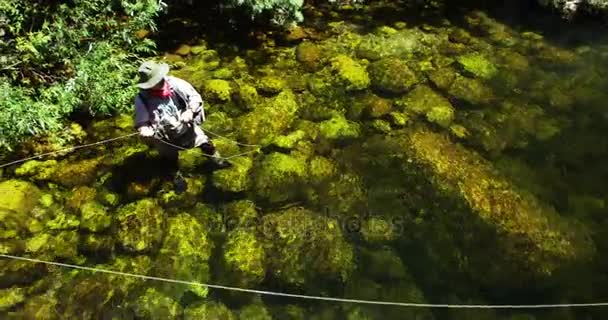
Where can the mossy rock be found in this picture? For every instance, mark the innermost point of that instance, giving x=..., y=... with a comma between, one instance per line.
x=379, y=230
x=392, y=75
x=339, y=128
x=289, y=141
x=310, y=55
x=63, y=244
x=269, y=119
x=443, y=77
x=376, y=107
x=254, y=311
x=236, y=178
x=425, y=101
x=381, y=126
x=477, y=65
x=223, y=73
x=140, y=225
x=95, y=217
x=471, y=91
x=240, y=213
x=62, y=221
x=71, y=174
x=18, y=196
x=296, y=259
x=154, y=305
x=37, y=170
x=219, y=123
x=277, y=177
x=352, y=75
x=208, y=310
x=184, y=255
x=97, y=244
x=270, y=85
x=244, y=257
x=11, y=297
x=247, y=96
x=79, y=196
x=321, y=168
x=190, y=159
x=217, y=90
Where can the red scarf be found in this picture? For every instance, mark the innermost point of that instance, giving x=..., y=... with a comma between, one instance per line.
x=164, y=92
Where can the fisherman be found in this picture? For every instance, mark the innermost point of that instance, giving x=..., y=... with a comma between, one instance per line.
x=168, y=112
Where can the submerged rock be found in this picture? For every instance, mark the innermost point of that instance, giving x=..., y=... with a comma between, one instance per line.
x=244, y=258
x=339, y=128
x=533, y=239
x=471, y=91
x=140, y=225
x=154, y=305
x=306, y=246
x=236, y=178
x=477, y=65
x=392, y=75
x=217, y=90
x=11, y=297
x=19, y=197
x=208, y=310
x=271, y=85
x=71, y=174
x=278, y=176
x=94, y=217
x=184, y=255
x=351, y=74
x=255, y=311
x=309, y=55
x=425, y=101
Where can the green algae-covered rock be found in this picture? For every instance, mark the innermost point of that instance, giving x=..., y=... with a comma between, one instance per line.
x=339, y=128
x=75, y=173
x=244, y=258
x=382, y=126
x=63, y=221
x=531, y=239
x=376, y=107
x=11, y=297
x=399, y=119
x=471, y=91
x=153, y=305
x=79, y=196
x=289, y=141
x=172, y=199
x=422, y=100
x=277, y=177
x=140, y=225
x=351, y=74
x=114, y=127
x=383, y=265
x=442, y=77
x=38, y=170
x=94, y=217
x=254, y=311
x=247, y=96
x=477, y=65
x=305, y=246
x=270, y=85
x=223, y=73
x=391, y=75
x=309, y=55
x=242, y=213
x=184, y=255
x=236, y=178
x=97, y=244
x=321, y=168
x=64, y=244
x=18, y=196
x=441, y=115
x=269, y=119
x=217, y=90
x=219, y=123
x=208, y=310
x=190, y=159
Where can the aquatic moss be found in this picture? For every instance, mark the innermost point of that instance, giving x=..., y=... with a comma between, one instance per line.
x=270, y=84
x=190, y=159
x=94, y=217
x=153, y=305
x=208, y=310
x=236, y=178
x=351, y=74
x=382, y=126
x=399, y=119
x=376, y=107
x=247, y=96
x=441, y=115
x=62, y=221
x=244, y=257
x=277, y=177
x=241, y=213
x=320, y=169
x=383, y=265
x=254, y=311
x=471, y=91
x=289, y=141
x=306, y=246
x=11, y=297
x=309, y=55
x=533, y=239
x=223, y=73
x=97, y=244
x=271, y=118
x=184, y=255
x=140, y=225
x=379, y=230
x=63, y=244
x=339, y=128
x=218, y=122
x=75, y=173
x=23, y=196
x=442, y=78
x=38, y=170
x=217, y=90
x=477, y=65
x=79, y=196
x=392, y=75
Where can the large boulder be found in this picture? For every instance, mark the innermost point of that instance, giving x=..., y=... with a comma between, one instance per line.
x=278, y=176
x=140, y=225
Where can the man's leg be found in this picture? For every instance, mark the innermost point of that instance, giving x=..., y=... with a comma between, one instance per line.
x=206, y=145
x=170, y=159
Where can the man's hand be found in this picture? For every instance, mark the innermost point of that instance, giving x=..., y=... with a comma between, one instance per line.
x=187, y=116
x=146, y=131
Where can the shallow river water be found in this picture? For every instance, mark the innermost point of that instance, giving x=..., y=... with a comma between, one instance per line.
x=380, y=154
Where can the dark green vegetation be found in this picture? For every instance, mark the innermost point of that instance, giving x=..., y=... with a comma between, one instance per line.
x=428, y=155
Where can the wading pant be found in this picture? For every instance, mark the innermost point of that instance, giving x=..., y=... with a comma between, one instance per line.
x=193, y=139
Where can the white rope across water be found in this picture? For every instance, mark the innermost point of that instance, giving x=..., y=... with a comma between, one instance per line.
x=128, y=136
x=312, y=297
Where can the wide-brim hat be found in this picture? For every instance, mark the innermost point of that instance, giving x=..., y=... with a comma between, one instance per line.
x=151, y=73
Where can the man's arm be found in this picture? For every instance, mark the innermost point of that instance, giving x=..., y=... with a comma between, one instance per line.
x=194, y=100
x=142, y=116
